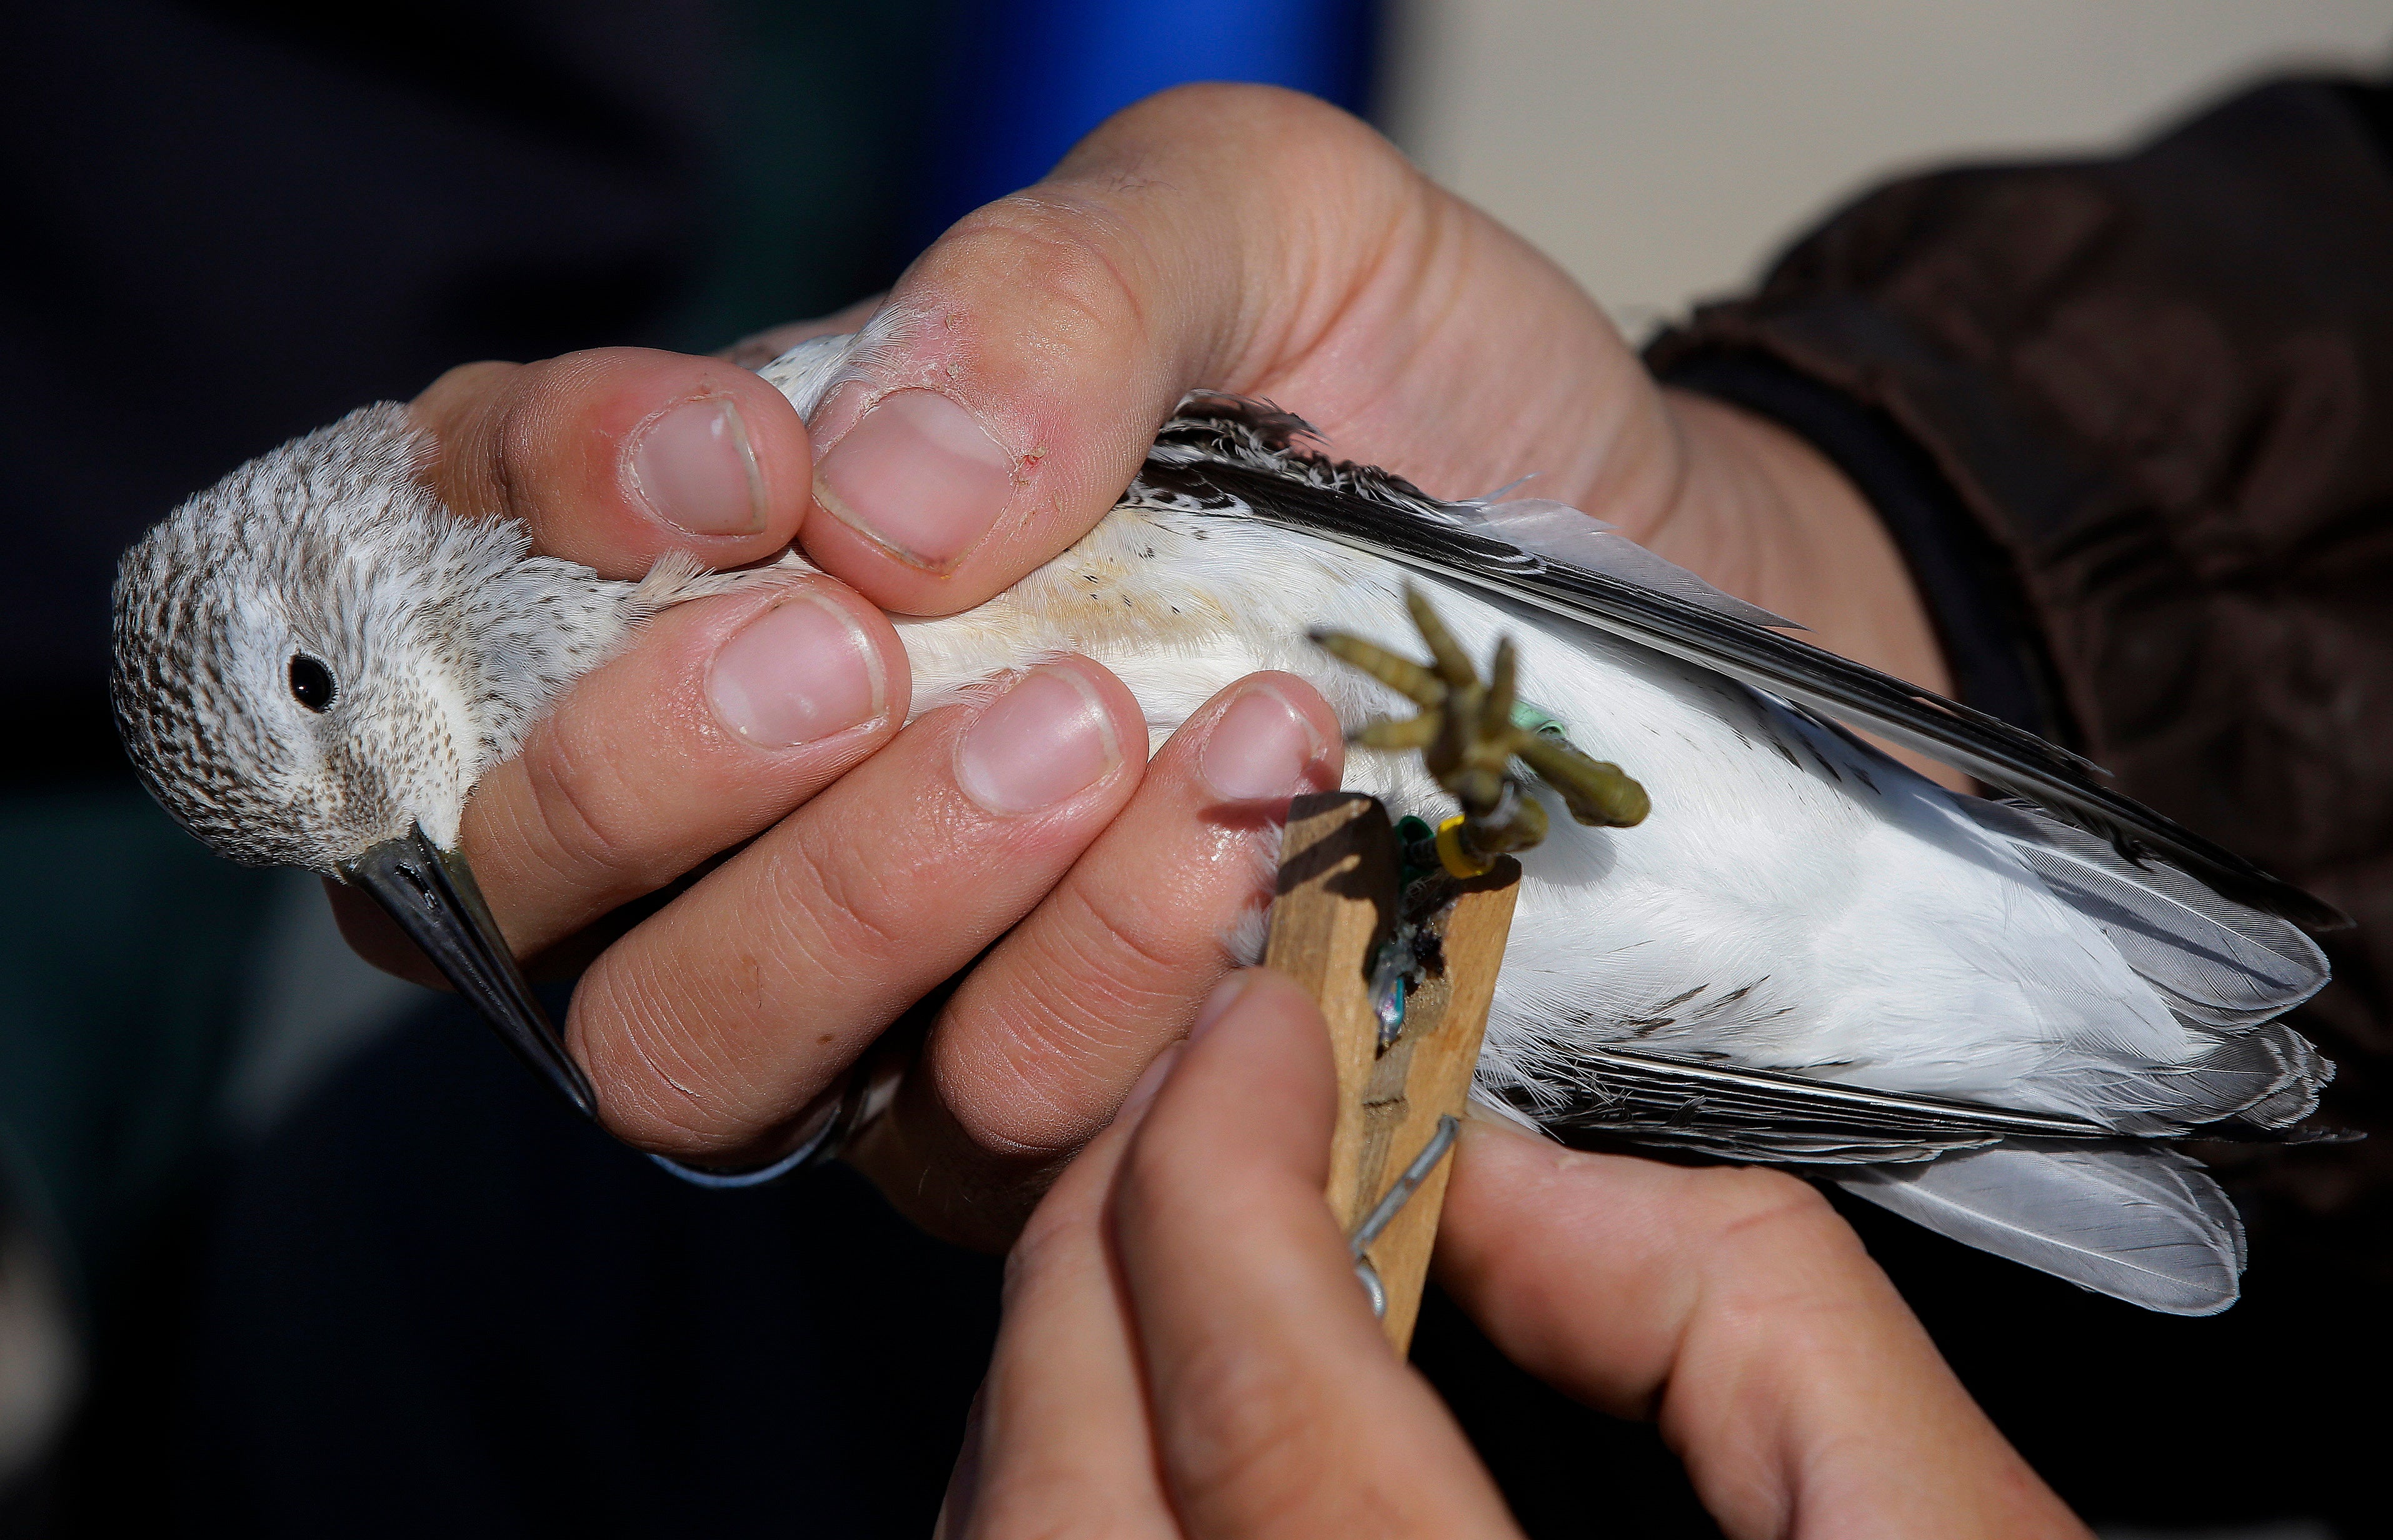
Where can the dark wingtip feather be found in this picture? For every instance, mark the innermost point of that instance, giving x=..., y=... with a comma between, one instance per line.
x=2229, y=874
x=1277, y=430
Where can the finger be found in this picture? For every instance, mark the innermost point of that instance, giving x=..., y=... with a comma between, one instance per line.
x=1641, y=1235
x=615, y=456
x=718, y=1019
x=1232, y=237
x=1062, y=1429
x=1738, y=1308
x=729, y=714
x=1278, y=1408
x=1032, y=1054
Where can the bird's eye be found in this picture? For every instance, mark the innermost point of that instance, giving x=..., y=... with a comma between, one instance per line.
x=311, y=682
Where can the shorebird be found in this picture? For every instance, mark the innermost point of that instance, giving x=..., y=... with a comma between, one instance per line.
x=1993, y=1017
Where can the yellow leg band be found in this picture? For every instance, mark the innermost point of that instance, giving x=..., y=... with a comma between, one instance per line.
x=1458, y=863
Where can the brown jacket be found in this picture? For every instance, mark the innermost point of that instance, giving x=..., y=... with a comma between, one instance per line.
x=2135, y=422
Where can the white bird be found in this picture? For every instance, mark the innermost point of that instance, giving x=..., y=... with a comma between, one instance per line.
x=1979, y=1014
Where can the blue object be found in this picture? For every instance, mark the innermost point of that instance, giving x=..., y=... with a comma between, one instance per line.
x=1028, y=78
x=699, y=1176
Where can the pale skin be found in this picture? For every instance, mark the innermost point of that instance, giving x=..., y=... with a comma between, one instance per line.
x=1150, y=1380
x=1230, y=238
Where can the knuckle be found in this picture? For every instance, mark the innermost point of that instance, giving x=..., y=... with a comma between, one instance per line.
x=1012, y=1110
x=546, y=445
x=1120, y=940
x=520, y=440
x=833, y=913
x=1070, y=258
x=465, y=385
x=1063, y=1039
x=678, y=1052
x=1098, y=979
x=1262, y=1427
x=1297, y=153
x=1781, y=1220
x=460, y=411
x=1755, y=1198
x=678, y=1064
x=1286, y=122
x=579, y=821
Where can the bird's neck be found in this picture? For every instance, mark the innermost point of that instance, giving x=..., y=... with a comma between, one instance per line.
x=534, y=626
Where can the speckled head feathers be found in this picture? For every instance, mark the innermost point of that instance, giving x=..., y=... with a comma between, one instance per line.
x=304, y=659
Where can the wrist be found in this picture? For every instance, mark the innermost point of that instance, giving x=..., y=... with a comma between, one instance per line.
x=1765, y=515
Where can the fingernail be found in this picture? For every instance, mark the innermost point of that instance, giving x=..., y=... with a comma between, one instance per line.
x=1217, y=1004
x=1143, y=1090
x=1259, y=748
x=693, y=468
x=1045, y=739
x=917, y=475
x=801, y=670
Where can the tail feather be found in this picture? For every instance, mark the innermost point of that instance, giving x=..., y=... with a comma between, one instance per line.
x=2292, y=1071
x=2266, y=1078
x=2144, y=1225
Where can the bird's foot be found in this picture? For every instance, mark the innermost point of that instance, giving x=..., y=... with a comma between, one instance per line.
x=1470, y=733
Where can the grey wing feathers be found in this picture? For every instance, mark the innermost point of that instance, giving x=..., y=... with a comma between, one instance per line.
x=1557, y=532
x=2137, y=1222
x=1740, y=1114
x=2068, y=1196
x=2141, y=1224
x=2215, y=961
x=2226, y=971
x=2291, y=1072
x=1220, y=455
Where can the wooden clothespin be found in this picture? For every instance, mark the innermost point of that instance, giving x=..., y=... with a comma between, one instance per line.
x=1402, y=1084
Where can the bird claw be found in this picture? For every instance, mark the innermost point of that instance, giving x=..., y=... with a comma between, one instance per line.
x=1468, y=733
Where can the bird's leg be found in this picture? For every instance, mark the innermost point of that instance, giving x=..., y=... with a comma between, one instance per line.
x=1468, y=733
x=1598, y=792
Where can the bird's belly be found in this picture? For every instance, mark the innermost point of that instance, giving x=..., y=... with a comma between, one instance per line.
x=1792, y=902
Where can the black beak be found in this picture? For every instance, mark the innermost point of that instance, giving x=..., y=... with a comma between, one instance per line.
x=433, y=895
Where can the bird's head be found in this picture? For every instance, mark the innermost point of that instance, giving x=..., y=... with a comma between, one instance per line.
x=294, y=671
x=299, y=679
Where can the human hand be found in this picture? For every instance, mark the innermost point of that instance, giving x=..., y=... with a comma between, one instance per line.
x=1185, y=1350
x=1250, y=240
x=1232, y=237
x=881, y=862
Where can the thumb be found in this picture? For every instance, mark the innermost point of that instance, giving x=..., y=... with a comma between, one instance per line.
x=1015, y=377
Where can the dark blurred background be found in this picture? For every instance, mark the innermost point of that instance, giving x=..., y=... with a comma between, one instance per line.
x=288, y=1249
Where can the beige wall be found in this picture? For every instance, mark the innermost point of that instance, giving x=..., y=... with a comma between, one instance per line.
x=1661, y=150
